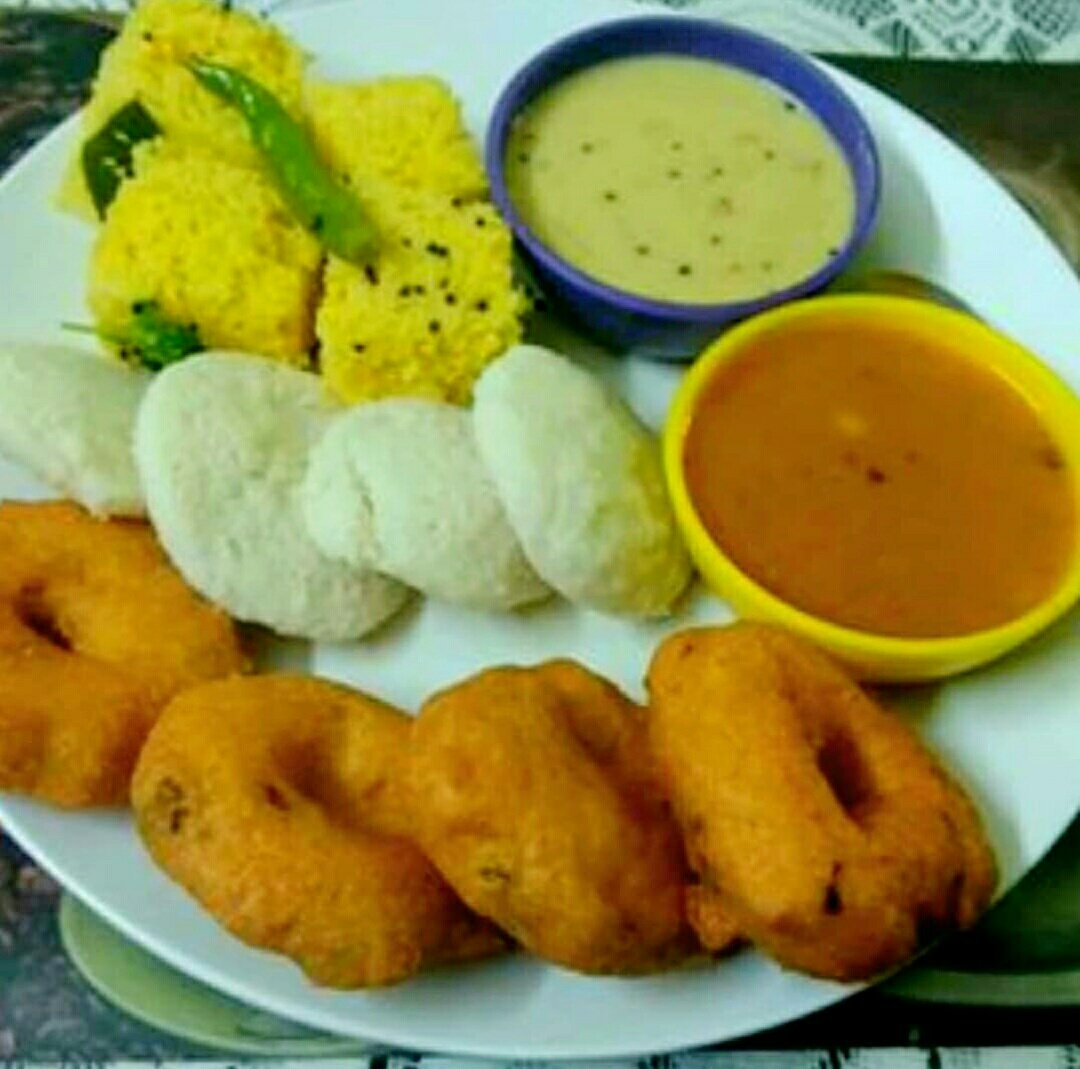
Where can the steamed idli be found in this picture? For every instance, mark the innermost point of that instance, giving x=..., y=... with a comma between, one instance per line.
x=222, y=443
x=398, y=485
x=581, y=481
x=68, y=416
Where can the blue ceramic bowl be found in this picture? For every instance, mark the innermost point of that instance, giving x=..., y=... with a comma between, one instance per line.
x=665, y=329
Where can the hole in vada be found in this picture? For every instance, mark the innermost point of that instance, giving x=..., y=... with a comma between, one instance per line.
x=834, y=904
x=275, y=797
x=708, y=879
x=33, y=610
x=840, y=763
x=307, y=773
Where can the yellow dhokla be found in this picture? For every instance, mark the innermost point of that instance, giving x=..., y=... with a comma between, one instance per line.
x=146, y=62
x=406, y=130
x=436, y=306
x=213, y=245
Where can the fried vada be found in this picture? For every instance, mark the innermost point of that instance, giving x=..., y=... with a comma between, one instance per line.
x=97, y=633
x=812, y=816
x=275, y=802
x=535, y=798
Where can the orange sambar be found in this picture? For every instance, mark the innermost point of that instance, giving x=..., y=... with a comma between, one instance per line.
x=881, y=481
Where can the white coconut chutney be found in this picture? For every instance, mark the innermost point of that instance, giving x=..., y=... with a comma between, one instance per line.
x=680, y=179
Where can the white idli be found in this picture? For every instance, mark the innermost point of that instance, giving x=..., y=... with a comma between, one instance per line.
x=398, y=485
x=222, y=443
x=68, y=416
x=582, y=483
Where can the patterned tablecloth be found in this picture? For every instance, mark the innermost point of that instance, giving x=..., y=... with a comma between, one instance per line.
x=1044, y=30
x=47, y=1014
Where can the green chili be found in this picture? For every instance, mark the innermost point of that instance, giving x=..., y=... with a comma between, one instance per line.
x=107, y=155
x=320, y=203
x=156, y=341
x=151, y=339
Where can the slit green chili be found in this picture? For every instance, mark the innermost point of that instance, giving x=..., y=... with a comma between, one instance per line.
x=150, y=339
x=318, y=201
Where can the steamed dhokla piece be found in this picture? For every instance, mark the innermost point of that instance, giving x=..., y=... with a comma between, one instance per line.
x=436, y=306
x=222, y=443
x=405, y=130
x=146, y=62
x=398, y=485
x=212, y=245
x=69, y=416
x=582, y=483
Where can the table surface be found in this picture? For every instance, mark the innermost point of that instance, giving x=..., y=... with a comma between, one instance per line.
x=1022, y=120
x=1044, y=30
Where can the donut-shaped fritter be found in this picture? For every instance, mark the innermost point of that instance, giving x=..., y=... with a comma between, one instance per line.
x=535, y=798
x=97, y=633
x=815, y=817
x=275, y=802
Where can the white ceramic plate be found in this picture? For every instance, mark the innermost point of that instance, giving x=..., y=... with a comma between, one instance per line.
x=1012, y=732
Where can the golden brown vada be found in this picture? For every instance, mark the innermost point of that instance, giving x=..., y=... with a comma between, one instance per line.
x=536, y=799
x=275, y=801
x=811, y=815
x=97, y=632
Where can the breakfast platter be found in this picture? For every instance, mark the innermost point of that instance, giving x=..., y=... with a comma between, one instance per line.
x=267, y=527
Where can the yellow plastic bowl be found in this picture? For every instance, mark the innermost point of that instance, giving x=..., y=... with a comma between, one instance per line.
x=878, y=657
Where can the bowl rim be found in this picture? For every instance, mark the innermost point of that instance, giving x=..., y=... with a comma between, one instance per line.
x=1058, y=409
x=509, y=104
